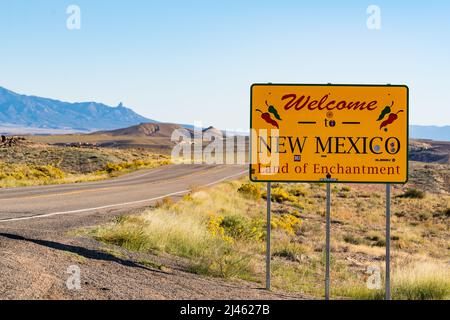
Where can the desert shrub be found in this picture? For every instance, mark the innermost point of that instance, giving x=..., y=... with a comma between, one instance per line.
x=297, y=191
x=160, y=230
x=380, y=243
x=236, y=227
x=447, y=212
x=216, y=228
x=349, y=238
x=165, y=203
x=413, y=194
x=113, y=167
x=291, y=251
x=250, y=190
x=187, y=197
x=358, y=292
x=286, y=222
x=424, y=215
x=51, y=172
x=30, y=172
x=131, y=238
x=223, y=261
x=280, y=195
x=377, y=240
x=138, y=163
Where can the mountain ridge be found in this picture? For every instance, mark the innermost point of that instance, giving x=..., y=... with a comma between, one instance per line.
x=30, y=111
x=437, y=133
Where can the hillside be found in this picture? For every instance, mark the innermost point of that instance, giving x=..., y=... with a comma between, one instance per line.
x=429, y=151
x=152, y=136
x=27, y=163
x=22, y=111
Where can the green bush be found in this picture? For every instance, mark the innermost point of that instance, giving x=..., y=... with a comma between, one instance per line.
x=134, y=239
x=413, y=194
x=447, y=212
x=352, y=239
x=290, y=251
x=378, y=241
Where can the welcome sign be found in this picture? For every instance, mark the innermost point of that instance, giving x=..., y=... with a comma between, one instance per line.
x=338, y=133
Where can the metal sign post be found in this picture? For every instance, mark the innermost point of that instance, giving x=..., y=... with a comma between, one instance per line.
x=268, y=255
x=388, y=242
x=328, y=232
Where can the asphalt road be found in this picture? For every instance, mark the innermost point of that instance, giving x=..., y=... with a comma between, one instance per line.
x=131, y=191
x=40, y=240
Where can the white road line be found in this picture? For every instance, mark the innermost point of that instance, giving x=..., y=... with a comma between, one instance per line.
x=118, y=204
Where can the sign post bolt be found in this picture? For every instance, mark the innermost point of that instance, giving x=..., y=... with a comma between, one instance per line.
x=388, y=242
x=268, y=236
x=328, y=232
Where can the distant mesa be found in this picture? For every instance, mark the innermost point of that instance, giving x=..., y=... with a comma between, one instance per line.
x=429, y=151
x=162, y=130
x=214, y=132
x=158, y=130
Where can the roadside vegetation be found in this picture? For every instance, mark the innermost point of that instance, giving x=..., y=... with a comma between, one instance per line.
x=221, y=233
x=31, y=164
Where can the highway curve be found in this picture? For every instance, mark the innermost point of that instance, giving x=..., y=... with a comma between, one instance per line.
x=130, y=191
x=39, y=241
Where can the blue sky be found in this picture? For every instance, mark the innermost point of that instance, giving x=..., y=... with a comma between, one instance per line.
x=185, y=61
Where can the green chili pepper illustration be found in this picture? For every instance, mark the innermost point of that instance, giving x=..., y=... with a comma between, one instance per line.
x=274, y=111
x=385, y=111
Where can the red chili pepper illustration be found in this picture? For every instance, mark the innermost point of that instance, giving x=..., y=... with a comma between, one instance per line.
x=266, y=117
x=392, y=117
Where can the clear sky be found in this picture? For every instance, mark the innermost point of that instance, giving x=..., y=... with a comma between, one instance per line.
x=194, y=60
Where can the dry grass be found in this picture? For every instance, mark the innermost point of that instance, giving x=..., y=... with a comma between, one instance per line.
x=31, y=164
x=221, y=231
x=419, y=280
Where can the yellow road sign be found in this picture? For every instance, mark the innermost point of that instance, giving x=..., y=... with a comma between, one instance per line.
x=339, y=133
